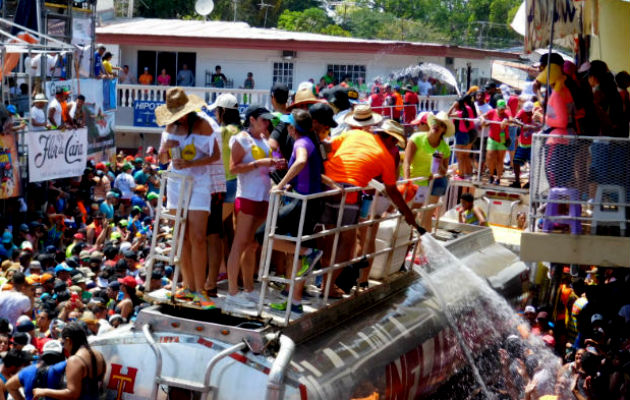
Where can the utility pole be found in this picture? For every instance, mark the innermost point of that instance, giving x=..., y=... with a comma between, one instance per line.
x=234, y=2
x=266, y=7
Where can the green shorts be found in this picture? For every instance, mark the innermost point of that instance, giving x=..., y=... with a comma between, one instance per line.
x=494, y=145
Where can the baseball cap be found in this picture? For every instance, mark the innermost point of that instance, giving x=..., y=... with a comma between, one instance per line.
x=52, y=347
x=129, y=281
x=528, y=106
x=114, y=285
x=596, y=318
x=62, y=267
x=25, y=326
x=501, y=103
x=152, y=195
x=530, y=309
x=60, y=286
x=226, y=100
x=323, y=113
x=256, y=111
x=7, y=237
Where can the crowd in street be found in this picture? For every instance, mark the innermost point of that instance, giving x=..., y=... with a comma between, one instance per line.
x=73, y=251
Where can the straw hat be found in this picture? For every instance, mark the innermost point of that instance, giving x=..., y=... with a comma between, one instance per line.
x=304, y=95
x=363, y=116
x=442, y=116
x=40, y=98
x=394, y=129
x=177, y=105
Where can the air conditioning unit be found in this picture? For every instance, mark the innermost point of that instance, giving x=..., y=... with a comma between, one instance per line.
x=289, y=54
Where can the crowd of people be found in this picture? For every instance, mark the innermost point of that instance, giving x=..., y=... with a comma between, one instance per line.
x=73, y=252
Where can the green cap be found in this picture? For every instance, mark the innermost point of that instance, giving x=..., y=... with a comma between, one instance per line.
x=501, y=104
x=126, y=166
x=152, y=195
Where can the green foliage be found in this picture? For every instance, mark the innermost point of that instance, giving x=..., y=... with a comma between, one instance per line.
x=482, y=23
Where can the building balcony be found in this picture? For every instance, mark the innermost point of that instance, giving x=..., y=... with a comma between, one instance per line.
x=579, y=201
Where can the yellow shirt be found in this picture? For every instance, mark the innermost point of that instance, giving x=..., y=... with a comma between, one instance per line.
x=107, y=66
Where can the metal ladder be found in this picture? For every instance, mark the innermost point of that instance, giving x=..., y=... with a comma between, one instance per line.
x=206, y=390
x=179, y=226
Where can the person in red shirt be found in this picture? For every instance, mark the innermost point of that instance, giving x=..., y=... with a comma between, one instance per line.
x=412, y=103
x=497, y=139
x=376, y=99
x=523, y=151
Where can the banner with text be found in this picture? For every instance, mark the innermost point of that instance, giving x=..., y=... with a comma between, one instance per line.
x=56, y=154
x=9, y=167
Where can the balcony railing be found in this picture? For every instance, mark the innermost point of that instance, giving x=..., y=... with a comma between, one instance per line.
x=580, y=185
x=127, y=94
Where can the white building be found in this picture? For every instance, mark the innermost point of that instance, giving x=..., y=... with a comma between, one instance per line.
x=272, y=55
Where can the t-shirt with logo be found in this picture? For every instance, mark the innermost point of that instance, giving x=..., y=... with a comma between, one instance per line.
x=255, y=184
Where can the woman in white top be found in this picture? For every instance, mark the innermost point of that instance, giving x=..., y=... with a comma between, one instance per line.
x=198, y=148
x=250, y=161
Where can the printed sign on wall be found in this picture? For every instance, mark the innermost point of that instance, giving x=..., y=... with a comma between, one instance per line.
x=56, y=154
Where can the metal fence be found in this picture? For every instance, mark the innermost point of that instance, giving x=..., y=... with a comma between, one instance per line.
x=580, y=184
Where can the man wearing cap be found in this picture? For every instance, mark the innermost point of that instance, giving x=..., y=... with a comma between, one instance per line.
x=51, y=367
x=125, y=183
x=497, y=139
x=339, y=99
x=152, y=203
x=356, y=157
x=523, y=150
x=8, y=247
x=108, y=206
x=146, y=78
x=38, y=112
x=323, y=120
x=76, y=239
x=17, y=301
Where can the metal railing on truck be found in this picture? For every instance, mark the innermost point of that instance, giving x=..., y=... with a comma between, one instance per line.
x=276, y=200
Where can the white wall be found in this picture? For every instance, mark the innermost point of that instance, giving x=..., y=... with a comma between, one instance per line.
x=236, y=63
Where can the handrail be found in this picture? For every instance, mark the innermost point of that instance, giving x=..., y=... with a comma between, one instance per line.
x=146, y=330
x=214, y=361
x=270, y=235
x=279, y=369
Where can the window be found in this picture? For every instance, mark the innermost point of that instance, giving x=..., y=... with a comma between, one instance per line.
x=283, y=73
x=172, y=62
x=340, y=71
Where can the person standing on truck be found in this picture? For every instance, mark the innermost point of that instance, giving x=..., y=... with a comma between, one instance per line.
x=357, y=156
x=85, y=368
x=193, y=146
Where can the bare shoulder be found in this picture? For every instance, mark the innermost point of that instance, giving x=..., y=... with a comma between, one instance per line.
x=203, y=127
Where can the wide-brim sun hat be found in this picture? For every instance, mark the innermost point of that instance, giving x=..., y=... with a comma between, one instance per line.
x=305, y=95
x=178, y=104
x=442, y=116
x=363, y=116
x=393, y=129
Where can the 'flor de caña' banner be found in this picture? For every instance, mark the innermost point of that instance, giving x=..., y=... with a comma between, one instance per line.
x=56, y=154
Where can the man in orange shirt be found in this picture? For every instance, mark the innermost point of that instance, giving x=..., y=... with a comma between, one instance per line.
x=146, y=78
x=357, y=156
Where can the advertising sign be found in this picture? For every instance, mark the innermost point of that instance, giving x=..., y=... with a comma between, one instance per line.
x=144, y=113
x=98, y=120
x=9, y=167
x=56, y=154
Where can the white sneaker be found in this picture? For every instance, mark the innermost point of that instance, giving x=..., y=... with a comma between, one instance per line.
x=253, y=296
x=240, y=299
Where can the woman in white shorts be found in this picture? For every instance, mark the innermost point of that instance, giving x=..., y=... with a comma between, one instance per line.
x=190, y=141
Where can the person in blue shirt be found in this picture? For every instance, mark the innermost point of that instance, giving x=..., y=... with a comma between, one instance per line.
x=108, y=206
x=8, y=248
x=142, y=175
x=47, y=373
x=98, y=61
